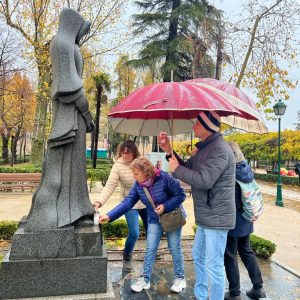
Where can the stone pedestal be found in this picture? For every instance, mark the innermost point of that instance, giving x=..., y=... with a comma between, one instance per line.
x=68, y=261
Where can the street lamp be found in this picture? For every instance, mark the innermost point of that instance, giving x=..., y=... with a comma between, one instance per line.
x=279, y=110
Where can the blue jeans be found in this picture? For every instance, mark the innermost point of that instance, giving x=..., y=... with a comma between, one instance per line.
x=132, y=218
x=154, y=235
x=208, y=254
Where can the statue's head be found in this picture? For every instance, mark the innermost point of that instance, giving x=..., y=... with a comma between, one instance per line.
x=85, y=28
x=72, y=24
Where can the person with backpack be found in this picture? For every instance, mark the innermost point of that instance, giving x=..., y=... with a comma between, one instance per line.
x=238, y=239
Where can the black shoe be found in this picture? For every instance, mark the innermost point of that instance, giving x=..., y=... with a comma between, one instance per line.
x=229, y=297
x=127, y=266
x=256, y=293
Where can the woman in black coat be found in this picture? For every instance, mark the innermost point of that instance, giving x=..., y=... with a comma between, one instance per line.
x=238, y=239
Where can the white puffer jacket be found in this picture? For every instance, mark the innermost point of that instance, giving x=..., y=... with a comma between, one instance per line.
x=122, y=175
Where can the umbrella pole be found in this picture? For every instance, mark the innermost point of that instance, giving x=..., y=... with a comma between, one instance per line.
x=172, y=138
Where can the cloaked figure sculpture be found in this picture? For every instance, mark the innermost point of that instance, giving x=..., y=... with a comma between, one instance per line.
x=62, y=197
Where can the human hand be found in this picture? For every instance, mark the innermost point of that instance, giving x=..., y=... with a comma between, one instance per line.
x=193, y=153
x=160, y=209
x=164, y=142
x=173, y=163
x=97, y=205
x=104, y=219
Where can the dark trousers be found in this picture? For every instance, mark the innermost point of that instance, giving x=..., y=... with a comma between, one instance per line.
x=241, y=245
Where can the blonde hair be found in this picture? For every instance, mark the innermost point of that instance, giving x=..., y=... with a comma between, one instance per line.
x=144, y=165
x=238, y=154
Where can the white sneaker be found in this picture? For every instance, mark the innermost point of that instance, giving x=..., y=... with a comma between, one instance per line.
x=178, y=285
x=140, y=285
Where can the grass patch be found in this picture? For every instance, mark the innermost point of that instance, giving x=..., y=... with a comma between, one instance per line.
x=114, y=244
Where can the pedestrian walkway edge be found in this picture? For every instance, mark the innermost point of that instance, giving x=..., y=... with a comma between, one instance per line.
x=286, y=267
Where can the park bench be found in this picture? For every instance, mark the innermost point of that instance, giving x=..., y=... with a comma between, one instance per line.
x=19, y=181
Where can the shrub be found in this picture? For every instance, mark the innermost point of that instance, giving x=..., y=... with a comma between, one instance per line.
x=118, y=229
x=99, y=174
x=262, y=247
x=100, y=162
x=273, y=178
x=24, y=168
x=7, y=229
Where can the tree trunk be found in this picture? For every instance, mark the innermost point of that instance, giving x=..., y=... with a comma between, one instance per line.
x=24, y=147
x=40, y=118
x=98, y=107
x=14, y=148
x=173, y=27
x=250, y=47
x=92, y=143
x=12, y=151
x=220, y=46
x=5, y=141
x=21, y=147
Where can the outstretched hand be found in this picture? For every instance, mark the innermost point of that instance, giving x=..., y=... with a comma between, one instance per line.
x=104, y=219
x=96, y=205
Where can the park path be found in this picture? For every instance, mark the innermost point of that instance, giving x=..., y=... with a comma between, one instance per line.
x=280, y=225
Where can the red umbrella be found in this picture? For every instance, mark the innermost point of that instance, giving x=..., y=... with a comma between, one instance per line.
x=153, y=108
x=249, y=118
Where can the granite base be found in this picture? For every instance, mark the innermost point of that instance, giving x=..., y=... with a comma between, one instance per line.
x=53, y=277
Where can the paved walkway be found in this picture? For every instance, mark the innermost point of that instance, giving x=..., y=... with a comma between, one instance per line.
x=277, y=224
x=286, y=193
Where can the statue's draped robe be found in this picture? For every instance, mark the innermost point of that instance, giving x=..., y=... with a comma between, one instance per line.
x=62, y=196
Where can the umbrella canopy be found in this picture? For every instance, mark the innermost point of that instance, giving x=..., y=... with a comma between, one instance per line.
x=167, y=106
x=249, y=118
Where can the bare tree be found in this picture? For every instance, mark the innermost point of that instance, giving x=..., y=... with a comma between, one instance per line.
x=262, y=45
x=36, y=21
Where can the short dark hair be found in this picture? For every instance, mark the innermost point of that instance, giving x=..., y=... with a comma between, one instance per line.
x=128, y=146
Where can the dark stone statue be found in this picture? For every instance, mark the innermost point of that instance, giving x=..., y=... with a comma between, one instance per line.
x=57, y=251
x=62, y=196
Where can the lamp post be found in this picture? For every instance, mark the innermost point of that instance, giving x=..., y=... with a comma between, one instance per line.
x=279, y=110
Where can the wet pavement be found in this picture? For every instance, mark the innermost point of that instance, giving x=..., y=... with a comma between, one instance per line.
x=279, y=283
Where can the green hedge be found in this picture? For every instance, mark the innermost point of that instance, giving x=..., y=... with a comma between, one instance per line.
x=116, y=229
x=262, y=247
x=273, y=178
x=101, y=173
x=119, y=229
x=100, y=161
x=21, y=169
x=7, y=229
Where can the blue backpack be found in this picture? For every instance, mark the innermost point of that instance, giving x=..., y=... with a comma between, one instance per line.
x=252, y=200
